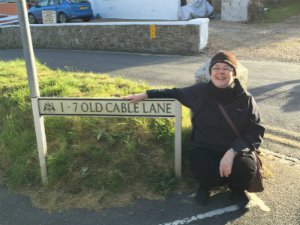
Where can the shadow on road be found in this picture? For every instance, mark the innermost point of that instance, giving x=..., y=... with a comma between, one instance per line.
x=266, y=92
x=18, y=210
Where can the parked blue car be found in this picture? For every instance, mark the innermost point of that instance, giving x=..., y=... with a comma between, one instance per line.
x=66, y=10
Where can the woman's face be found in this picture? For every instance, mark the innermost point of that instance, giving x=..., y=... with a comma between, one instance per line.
x=222, y=75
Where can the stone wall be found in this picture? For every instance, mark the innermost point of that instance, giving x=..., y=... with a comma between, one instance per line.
x=187, y=37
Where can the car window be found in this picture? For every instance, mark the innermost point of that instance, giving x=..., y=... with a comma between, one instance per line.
x=77, y=1
x=54, y=2
x=43, y=3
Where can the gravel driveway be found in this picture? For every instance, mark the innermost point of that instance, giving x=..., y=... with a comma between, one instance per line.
x=274, y=42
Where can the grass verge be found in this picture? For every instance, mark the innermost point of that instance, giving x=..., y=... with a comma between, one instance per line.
x=92, y=162
x=281, y=11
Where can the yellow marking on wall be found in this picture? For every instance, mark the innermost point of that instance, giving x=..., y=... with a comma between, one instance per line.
x=152, y=31
x=282, y=140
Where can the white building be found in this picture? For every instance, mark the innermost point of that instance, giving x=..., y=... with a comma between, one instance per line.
x=231, y=10
x=137, y=9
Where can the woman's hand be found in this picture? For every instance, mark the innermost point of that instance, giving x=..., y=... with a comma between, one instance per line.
x=227, y=162
x=136, y=97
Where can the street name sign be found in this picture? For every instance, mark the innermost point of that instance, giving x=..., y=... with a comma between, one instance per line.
x=116, y=107
x=107, y=107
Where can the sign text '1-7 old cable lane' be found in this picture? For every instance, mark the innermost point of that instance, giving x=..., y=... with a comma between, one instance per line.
x=112, y=107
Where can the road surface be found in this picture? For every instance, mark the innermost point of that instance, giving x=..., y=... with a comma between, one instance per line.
x=275, y=85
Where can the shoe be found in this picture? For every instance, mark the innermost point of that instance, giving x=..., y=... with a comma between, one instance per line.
x=202, y=196
x=241, y=198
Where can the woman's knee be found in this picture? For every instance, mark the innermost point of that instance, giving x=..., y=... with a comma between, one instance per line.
x=243, y=172
x=244, y=164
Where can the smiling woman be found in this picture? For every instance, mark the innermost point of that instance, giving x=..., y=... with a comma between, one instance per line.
x=223, y=70
x=219, y=154
x=222, y=75
x=66, y=10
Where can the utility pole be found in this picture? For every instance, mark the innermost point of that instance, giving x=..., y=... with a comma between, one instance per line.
x=33, y=85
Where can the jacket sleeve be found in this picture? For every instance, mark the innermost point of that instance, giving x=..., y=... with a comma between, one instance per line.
x=252, y=136
x=186, y=96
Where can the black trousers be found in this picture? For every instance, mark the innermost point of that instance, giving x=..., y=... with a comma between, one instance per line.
x=205, y=164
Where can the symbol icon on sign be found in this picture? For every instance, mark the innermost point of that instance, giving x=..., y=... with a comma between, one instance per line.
x=49, y=107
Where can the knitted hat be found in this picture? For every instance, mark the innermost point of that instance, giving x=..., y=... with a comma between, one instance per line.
x=224, y=57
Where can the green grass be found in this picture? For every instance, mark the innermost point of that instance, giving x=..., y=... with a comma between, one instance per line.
x=281, y=11
x=114, y=155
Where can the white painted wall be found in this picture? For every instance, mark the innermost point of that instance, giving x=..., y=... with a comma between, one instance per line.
x=235, y=10
x=137, y=9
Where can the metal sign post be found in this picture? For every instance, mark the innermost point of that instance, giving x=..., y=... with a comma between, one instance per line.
x=178, y=125
x=33, y=85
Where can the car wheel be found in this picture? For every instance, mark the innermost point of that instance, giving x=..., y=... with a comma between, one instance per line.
x=32, y=19
x=86, y=19
x=62, y=18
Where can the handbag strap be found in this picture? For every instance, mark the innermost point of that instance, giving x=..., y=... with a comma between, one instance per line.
x=257, y=159
x=237, y=132
x=225, y=114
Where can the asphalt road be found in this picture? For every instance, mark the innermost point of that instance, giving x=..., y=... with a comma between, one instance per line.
x=279, y=206
x=275, y=85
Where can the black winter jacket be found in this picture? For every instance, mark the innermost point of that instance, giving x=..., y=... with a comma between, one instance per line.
x=210, y=129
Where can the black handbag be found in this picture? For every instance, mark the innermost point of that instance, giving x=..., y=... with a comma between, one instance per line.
x=257, y=183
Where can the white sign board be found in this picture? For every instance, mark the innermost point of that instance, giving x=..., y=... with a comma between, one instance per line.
x=107, y=107
x=49, y=17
